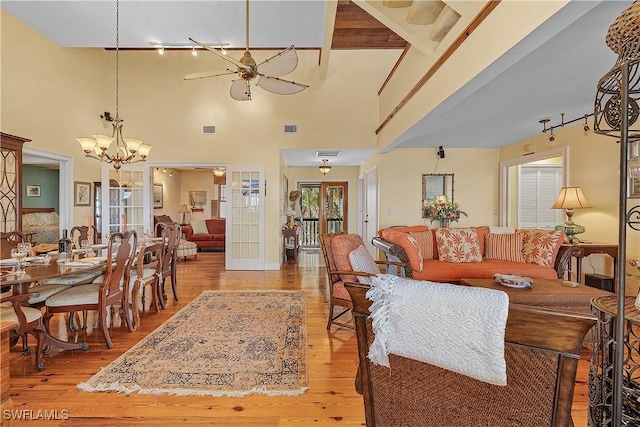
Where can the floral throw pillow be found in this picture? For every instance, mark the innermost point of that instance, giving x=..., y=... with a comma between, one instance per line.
x=541, y=246
x=458, y=245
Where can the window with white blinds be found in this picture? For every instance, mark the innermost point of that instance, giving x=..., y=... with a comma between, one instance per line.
x=538, y=189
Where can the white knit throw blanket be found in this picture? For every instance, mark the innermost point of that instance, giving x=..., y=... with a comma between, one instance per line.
x=458, y=328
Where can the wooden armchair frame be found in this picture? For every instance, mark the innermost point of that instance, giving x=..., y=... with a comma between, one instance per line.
x=334, y=279
x=29, y=321
x=542, y=349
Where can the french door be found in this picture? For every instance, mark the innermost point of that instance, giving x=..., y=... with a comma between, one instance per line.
x=324, y=210
x=245, y=220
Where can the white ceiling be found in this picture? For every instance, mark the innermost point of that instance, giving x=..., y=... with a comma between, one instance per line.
x=554, y=70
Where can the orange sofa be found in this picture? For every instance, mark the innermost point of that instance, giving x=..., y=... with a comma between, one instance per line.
x=449, y=255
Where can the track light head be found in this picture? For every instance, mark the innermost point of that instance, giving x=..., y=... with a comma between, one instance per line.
x=441, y=152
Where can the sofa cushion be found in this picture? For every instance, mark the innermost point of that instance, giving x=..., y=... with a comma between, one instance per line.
x=361, y=260
x=438, y=271
x=406, y=229
x=458, y=245
x=481, y=231
x=541, y=246
x=504, y=247
x=199, y=227
x=341, y=246
x=426, y=242
x=201, y=237
x=215, y=225
x=406, y=242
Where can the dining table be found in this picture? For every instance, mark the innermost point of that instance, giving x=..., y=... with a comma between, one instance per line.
x=36, y=272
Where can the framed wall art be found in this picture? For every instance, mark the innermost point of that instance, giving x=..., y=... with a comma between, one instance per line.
x=81, y=193
x=158, y=197
x=33, y=191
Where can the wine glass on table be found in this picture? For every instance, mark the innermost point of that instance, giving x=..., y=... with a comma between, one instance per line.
x=18, y=254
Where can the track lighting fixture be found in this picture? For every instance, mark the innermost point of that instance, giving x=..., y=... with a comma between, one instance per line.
x=552, y=137
x=586, y=125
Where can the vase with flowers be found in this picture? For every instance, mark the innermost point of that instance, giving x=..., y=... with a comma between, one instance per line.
x=443, y=210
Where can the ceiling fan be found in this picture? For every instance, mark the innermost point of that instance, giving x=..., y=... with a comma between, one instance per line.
x=247, y=69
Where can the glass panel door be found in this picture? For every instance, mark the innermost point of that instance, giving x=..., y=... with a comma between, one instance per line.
x=127, y=207
x=245, y=227
x=334, y=207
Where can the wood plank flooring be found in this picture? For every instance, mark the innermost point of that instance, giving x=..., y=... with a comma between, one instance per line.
x=332, y=361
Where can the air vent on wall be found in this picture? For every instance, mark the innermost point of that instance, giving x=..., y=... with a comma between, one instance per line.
x=290, y=128
x=209, y=130
x=325, y=154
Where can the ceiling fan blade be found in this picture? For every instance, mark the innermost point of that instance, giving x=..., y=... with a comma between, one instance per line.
x=280, y=86
x=220, y=54
x=240, y=90
x=280, y=64
x=205, y=74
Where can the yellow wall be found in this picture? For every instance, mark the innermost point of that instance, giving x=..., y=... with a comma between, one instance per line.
x=53, y=95
x=400, y=184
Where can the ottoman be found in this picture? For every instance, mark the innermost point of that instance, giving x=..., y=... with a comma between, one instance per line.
x=187, y=248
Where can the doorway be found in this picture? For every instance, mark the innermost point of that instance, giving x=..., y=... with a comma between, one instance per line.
x=530, y=175
x=324, y=209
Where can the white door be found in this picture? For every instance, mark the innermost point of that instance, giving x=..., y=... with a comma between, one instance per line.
x=126, y=200
x=370, y=209
x=245, y=219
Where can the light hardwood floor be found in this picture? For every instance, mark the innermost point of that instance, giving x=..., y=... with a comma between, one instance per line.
x=330, y=400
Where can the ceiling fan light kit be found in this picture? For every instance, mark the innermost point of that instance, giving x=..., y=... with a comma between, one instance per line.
x=267, y=72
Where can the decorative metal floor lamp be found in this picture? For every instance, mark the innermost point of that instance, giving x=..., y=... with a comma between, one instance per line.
x=613, y=117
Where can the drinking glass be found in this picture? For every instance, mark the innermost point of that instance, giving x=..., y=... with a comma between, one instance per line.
x=18, y=254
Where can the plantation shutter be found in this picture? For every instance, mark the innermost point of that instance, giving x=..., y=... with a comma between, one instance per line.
x=538, y=188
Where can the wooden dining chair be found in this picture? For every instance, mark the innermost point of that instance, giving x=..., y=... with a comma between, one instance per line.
x=336, y=248
x=146, y=272
x=171, y=233
x=10, y=240
x=542, y=349
x=79, y=233
x=101, y=294
x=28, y=320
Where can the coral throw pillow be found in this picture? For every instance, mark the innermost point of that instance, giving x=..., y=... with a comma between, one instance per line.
x=458, y=245
x=361, y=260
x=425, y=241
x=341, y=246
x=541, y=246
x=199, y=227
x=408, y=243
x=504, y=247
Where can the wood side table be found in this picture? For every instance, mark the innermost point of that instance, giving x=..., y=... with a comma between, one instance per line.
x=587, y=249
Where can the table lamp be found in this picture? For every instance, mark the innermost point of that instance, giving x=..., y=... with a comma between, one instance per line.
x=571, y=198
x=184, y=210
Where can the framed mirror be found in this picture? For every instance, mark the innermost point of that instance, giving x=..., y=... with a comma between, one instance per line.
x=434, y=185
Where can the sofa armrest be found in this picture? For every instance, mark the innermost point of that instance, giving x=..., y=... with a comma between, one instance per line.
x=563, y=259
x=187, y=230
x=394, y=253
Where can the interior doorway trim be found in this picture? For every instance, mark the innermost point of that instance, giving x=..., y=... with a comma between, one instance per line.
x=506, y=164
x=65, y=164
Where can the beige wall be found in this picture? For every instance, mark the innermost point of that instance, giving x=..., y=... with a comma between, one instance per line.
x=54, y=95
x=400, y=184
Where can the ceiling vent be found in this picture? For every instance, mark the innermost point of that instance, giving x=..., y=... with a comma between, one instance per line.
x=290, y=128
x=327, y=154
x=209, y=130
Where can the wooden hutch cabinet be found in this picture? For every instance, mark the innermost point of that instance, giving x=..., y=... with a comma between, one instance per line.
x=11, y=182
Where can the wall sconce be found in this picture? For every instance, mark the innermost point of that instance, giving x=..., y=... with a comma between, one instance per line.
x=324, y=167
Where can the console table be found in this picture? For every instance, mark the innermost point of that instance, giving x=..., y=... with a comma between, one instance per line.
x=587, y=249
x=290, y=242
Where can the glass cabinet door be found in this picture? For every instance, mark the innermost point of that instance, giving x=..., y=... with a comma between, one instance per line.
x=127, y=207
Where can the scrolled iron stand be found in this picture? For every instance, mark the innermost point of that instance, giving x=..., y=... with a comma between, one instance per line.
x=614, y=386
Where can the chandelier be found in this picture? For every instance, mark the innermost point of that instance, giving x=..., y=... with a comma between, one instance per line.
x=324, y=167
x=125, y=148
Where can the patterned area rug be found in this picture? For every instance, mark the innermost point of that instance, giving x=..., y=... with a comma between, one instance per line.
x=231, y=343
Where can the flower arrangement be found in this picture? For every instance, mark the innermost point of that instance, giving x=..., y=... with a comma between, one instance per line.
x=443, y=210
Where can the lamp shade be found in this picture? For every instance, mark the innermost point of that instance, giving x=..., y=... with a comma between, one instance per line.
x=571, y=198
x=184, y=209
